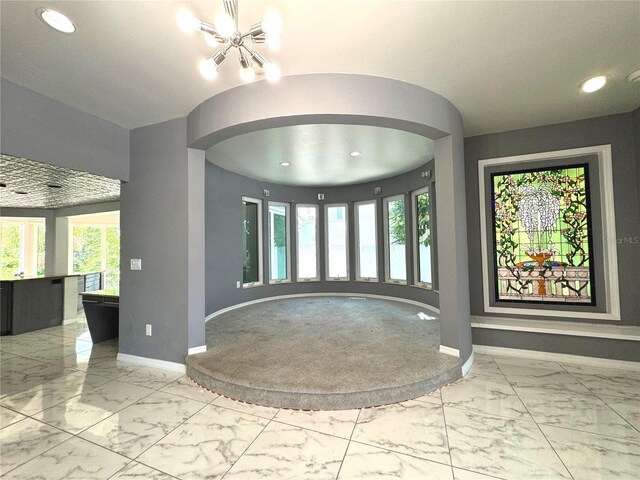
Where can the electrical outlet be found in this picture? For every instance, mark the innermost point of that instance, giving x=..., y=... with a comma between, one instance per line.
x=238, y=284
x=148, y=330
x=136, y=264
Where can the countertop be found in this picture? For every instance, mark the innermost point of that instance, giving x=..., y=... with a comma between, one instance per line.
x=43, y=277
x=111, y=292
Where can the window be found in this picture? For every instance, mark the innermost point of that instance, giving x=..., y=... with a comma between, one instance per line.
x=307, y=242
x=96, y=248
x=337, y=242
x=543, y=247
x=422, y=238
x=395, y=240
x=366, y=241
x=252, y=242
x=22, y=246
x=279, y=263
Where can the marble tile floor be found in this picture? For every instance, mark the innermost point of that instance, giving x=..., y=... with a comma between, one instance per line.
x=70, y=410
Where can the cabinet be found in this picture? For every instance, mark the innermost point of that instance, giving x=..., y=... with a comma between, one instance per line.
x=31, y=304
x=102, y=310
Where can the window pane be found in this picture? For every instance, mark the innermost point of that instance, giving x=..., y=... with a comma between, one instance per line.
x=11, y=240
x=113, y=258
x=250, y=241
x=337, y=243
x=40, y=250
x=307, y=225
x=367, y=251
x=278, y=248
x=424, y=237
x=396, y=240
x=87, y=248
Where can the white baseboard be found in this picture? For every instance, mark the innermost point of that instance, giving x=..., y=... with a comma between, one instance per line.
x=300, y=295
x=558, y=327
x=449, y=351
x=69, y=321
x=153, y=362
x=467, y=365
x=557, y=357
x=200, y=349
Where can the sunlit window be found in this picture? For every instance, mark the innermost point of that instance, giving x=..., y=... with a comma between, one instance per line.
x=337, y=242
x=279, y=263
x=395, y=240
x=252, y=242
x=22, y=247
x=96, y=248
x=422, y=238
x=366, y=241
x=307, y=242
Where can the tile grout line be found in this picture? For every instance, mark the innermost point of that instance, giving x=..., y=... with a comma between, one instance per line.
x=41, y=453
x=446, y=433
x=540, y=429
x=616, y=412
x=598, y=397
x=134, y=459
x=248, y=446
x=346, y=450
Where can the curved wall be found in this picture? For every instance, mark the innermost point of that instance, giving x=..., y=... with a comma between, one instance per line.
x=223, y=237
x=356, y=100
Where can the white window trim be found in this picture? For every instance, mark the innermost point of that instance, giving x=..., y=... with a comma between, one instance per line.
x=356, y=223
x=414, y=233
x=260, y=281
x=326, y=242
x=317, y=277
x=287, y=207
x=605, y=174
x=385, y=221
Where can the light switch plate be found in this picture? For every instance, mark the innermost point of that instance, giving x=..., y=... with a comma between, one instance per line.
x=147, y=330
x=136, y=264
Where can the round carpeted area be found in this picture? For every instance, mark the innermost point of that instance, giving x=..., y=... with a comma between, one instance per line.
x=323, y=353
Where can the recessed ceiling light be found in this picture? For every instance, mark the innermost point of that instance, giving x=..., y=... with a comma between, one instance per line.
x=56, y=20
x=593, y=84
x=53, y=185
x=19, y=192
x=3, y=185
x=284, y=164
x=355, y=154
x=634, y=76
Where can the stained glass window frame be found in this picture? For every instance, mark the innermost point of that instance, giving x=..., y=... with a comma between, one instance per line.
x=553, y=299
x=603, y=200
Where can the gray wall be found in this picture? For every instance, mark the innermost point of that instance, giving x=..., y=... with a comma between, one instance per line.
x=566, y=344
x=154, y=220
x=621, y=131
x=224, y=192
x=617, y=130
x=636, y=130
x=38, y=128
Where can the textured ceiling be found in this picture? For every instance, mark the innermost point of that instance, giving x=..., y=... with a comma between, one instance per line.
x=505, y=65
x=77, y=188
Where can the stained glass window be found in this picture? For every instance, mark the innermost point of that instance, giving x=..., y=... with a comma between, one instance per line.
x=542, y=235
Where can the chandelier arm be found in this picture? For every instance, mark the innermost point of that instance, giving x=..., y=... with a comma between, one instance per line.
x=231, y=7
x=208, y=27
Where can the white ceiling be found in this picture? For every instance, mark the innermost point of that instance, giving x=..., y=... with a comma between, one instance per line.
x=319, y=155
x=505, y=65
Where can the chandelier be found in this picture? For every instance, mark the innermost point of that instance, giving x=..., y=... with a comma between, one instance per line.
x=224, y=35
